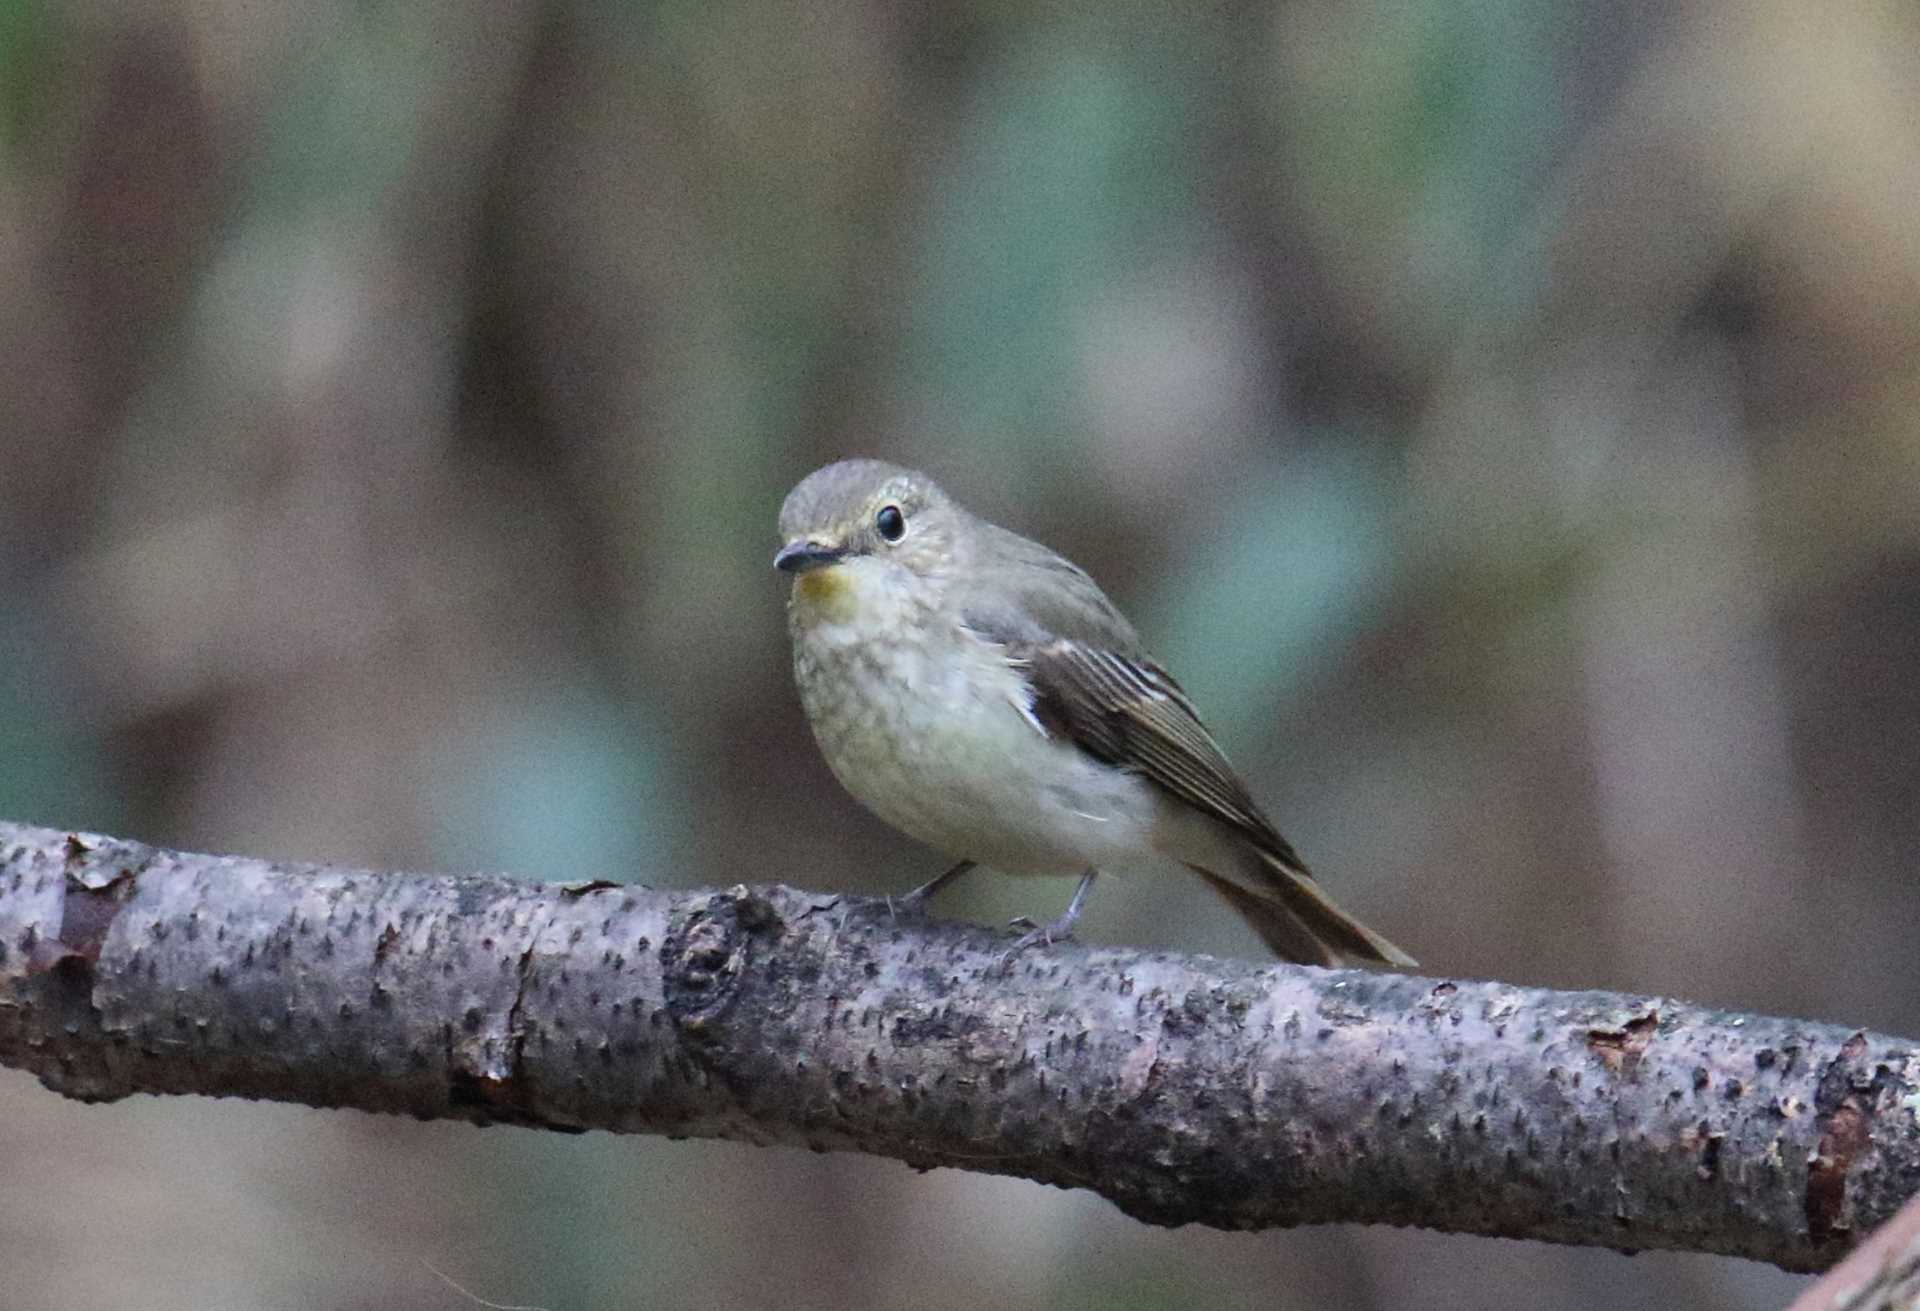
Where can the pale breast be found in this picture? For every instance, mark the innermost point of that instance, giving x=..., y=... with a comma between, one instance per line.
x=935, y=736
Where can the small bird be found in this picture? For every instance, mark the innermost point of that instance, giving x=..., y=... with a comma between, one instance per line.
x=981, y=694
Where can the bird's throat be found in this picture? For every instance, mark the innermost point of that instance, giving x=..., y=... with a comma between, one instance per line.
x=824, y=595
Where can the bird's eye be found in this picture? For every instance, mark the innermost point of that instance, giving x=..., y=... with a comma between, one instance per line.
x=891, y=523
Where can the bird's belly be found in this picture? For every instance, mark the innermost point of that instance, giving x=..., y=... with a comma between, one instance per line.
x=942, y=751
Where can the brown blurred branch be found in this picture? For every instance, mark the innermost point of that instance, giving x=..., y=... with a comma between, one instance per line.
x=1185, y=1090
x=1882, y=1274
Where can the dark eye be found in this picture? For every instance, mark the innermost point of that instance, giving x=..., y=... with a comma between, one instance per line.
x=891, y=523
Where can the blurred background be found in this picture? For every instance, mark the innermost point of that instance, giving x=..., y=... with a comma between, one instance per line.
x=1502, y=416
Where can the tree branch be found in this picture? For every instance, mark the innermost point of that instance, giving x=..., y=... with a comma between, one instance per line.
x=1183, y=1089
x=1881, y=1274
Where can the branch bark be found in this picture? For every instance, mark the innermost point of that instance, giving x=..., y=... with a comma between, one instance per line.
x=1185, y=1090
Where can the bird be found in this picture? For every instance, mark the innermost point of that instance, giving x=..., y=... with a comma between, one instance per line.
x=980, y=693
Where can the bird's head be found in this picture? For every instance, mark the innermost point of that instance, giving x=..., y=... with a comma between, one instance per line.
x=862, y=534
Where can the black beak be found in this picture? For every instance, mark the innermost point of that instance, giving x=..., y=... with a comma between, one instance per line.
x=798, y=557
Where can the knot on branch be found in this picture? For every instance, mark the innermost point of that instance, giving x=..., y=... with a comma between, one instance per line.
x=706, y=954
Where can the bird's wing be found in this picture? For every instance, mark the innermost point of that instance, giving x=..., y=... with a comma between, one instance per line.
x=1130, y=713
x=1093, y=685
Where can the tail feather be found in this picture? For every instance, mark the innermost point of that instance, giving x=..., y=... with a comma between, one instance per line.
x=1294, y=916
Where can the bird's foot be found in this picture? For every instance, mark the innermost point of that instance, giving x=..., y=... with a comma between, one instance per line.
x=915, y=902
x=1060, y=930
x=1038, y=935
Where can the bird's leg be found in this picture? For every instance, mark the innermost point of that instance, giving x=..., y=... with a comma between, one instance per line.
x=1061, y=929
x=916, y=901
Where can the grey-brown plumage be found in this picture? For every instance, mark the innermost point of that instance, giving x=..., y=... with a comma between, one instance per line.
x=896, y=622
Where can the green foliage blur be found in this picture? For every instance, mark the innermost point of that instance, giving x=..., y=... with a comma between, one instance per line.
x=1502, y=417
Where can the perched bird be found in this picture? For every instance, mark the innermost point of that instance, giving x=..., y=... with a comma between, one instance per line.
x=981, y=693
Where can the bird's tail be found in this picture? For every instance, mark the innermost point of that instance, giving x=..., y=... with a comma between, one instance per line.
x=1294, y=915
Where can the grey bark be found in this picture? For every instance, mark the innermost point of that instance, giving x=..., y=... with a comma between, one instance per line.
x=1185, y=1090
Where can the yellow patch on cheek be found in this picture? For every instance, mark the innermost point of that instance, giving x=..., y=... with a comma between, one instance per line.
x=826, y=592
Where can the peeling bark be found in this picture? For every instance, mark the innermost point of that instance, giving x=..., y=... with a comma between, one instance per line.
x=1186, y=1090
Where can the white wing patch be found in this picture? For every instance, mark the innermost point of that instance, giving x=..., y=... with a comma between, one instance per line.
x=1021, y=698
x=1020, y=695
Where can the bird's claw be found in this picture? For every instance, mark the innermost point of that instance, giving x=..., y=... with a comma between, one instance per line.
x=1060, y=930
x=1036, y=935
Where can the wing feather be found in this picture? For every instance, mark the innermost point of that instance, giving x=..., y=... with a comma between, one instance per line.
x=1131, y=713
x=1093, y=682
